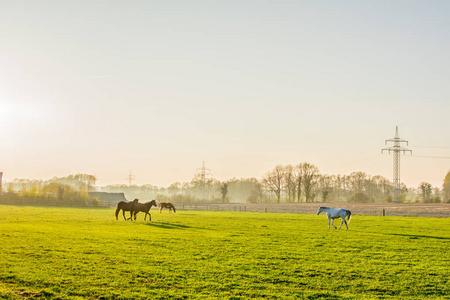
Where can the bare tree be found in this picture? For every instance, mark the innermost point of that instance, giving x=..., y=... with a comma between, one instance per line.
x=274, y=180
x=290, y=182
x=358, y=181
x=224, y=191
x=425, y=190
x=174, y=188
x=298, y=174
x=310, y=173
x=325, y=185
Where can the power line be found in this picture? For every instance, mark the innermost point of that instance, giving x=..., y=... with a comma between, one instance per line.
x=351, y=159
x=426, y=156
x=360, y=162
x=368, y=161
x=432, y=156
x=431, y=147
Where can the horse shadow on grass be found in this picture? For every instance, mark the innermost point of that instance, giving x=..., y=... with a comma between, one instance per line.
x=416, y=236
x=165, y=225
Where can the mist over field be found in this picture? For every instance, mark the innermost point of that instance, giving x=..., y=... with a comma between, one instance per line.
x=284, y=184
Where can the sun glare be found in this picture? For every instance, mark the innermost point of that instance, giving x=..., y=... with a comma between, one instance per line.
x=6, y=111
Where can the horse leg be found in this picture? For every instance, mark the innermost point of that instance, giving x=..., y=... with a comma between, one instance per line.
x=342, y=222
x=329, y=223
x=332, y=223
x=125, y=218
x=131, y=216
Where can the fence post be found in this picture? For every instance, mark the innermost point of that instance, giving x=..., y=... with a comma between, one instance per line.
x=384, y=212
x=265, y=209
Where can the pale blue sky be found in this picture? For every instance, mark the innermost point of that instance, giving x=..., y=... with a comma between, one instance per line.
x=158, y=87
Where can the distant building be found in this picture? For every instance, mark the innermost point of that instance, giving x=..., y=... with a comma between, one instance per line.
x=112, y=198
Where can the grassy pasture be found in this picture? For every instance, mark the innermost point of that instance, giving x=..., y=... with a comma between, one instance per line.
x=74, y=253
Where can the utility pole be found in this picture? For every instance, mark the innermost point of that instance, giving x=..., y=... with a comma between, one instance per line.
x=396, y=149
x=203, y=173
x=130, y=178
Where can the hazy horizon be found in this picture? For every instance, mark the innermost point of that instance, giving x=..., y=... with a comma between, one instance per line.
x=156, y=88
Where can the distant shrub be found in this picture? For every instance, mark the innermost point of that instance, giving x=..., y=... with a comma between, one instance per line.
x=436, y=199
x=177, y=198
x=389, y=199
x=359, y=197
x=253, y=198
x=162, y=198
x=402, y=198
x=95, y=201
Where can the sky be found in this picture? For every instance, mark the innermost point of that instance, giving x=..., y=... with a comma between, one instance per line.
x=156, y=88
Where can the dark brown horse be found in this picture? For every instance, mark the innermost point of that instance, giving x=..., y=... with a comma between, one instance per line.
x=167, y=205
x=144, y=207
x=126, y=206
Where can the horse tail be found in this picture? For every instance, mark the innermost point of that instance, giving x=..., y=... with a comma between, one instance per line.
x=349, y=215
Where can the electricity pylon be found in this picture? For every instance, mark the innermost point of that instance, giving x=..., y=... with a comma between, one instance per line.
x=130, y=178
x=203, y=174
x=396, y=149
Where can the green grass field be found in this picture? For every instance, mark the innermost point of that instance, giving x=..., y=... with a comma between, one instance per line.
x=71, y=253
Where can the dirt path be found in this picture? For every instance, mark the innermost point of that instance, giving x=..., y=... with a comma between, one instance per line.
x=390, y=209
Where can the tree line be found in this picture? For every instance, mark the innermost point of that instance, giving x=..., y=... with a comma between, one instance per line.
x=72, y=190
x=283, y=184
x=288, y=184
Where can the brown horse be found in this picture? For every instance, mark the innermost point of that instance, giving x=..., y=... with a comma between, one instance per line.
x=145, y=207
x=167, y=205
x=126, y=206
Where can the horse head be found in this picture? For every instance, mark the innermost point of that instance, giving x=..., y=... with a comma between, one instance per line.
x=320, y=210
x=135, y=201
x=153, y=202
